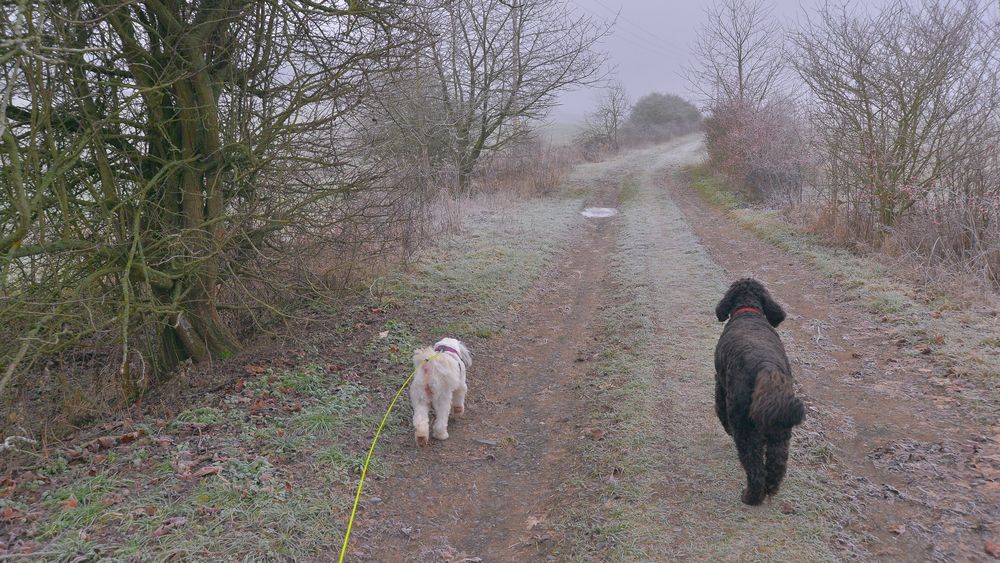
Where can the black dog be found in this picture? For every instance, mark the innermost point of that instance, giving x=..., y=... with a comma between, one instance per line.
x=754, y=398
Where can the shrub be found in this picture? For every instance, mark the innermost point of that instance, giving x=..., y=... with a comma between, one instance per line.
x=763, y=151
x=658, y=117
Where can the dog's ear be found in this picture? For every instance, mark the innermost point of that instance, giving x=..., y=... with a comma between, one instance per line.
x=725, y=306
x=772, y=311
x=464, y=353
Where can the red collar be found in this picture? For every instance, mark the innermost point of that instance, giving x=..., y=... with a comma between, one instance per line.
x=745, y=309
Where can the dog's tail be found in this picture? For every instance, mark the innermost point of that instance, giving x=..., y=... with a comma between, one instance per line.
x=773, y=405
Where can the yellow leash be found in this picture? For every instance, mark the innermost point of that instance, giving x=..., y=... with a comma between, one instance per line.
x=364, y=469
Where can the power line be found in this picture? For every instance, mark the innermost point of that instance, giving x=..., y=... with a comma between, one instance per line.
x=649, y=35
x=633, y=38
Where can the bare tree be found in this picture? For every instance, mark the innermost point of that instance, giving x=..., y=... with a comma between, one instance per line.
x=154, y=152
x=604, y=125
x=738, y=54
x=499, y=64
x=612, y=112
x=904, y=98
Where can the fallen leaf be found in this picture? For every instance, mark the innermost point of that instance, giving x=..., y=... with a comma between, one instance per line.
x=936, y=315
x=532, y=522
x=993, y=548
x=939, y=340
x=115, y=498
x=256, y=407
x=169, y=525
x=9, y=514
x=596, y=434
x=183, y=463
x=899, y=530
x=207, y=470
x=130, y=436
x=111, y=425
x=254, y=370
x=239, y=385
x=71, y=502
x=787, y=508
x=107, y=441
x=383, y=334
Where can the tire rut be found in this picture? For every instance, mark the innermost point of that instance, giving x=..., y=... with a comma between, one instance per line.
x=488, y=490
x=911, y=463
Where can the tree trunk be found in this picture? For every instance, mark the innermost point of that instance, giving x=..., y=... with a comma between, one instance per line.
x=196, y=333
x=465, y=168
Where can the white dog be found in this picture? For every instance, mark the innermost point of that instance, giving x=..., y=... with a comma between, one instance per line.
x=439, y=381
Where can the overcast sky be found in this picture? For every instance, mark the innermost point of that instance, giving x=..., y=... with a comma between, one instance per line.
x=649, y=46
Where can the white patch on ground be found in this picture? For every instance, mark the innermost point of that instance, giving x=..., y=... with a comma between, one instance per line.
x=599, y=212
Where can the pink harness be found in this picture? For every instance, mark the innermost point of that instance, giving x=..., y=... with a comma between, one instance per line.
x=441, y=348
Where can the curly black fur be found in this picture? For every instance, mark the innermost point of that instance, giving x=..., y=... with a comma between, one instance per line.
x=754, y=398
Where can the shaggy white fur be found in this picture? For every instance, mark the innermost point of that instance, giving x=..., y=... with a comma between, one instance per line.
x=439, y=381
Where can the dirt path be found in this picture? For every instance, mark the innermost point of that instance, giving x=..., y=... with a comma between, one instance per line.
x=881, y=469
x=488, y=490
x=924, y=475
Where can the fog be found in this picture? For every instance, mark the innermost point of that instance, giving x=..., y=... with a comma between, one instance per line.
x=648, y=47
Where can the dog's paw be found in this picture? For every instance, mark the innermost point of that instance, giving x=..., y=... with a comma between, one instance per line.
x=753, y=498
x=422, y=441
x=457, y=410
x=441, y=435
